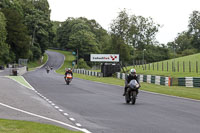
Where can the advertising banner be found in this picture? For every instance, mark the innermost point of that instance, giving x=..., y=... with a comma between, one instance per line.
x=104, y=57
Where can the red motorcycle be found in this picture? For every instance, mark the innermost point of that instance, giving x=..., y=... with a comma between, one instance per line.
x=68, y=78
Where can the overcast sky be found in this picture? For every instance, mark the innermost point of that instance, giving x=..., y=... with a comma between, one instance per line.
x=172, y=14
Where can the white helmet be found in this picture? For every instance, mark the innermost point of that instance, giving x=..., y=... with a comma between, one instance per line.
x=133, y=71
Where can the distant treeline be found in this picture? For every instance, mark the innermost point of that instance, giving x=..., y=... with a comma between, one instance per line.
x=26, y=32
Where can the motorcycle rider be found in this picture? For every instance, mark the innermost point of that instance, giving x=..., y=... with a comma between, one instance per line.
x=130, y=77
x=68, y=71
x=47, y=68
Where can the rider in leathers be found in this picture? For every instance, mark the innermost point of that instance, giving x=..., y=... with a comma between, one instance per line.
x=130, y=77
x=68, y=71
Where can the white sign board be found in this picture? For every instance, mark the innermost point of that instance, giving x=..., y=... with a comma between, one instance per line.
x=104, y=57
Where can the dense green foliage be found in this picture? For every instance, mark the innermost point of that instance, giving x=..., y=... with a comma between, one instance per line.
x=28, y=29
x=82, y=35
x=4, y=49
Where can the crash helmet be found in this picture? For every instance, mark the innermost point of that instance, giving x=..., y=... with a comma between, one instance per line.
x=133, y=71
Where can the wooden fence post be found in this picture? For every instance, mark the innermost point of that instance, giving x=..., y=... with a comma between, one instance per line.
x=153, y=65
x=178, y=66
x=145, y=65
x=149, y=66
x=189, y=66
x=157, y=66
x=167, y=65
x=183, y=66
x=196, y=67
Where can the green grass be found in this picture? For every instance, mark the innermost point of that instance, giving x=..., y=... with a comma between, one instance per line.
x=14, y=126
x=21, y=80
x=192, y=58
x=34, y=64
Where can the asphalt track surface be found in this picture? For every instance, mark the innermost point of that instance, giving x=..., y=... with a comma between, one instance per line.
x=101, y=108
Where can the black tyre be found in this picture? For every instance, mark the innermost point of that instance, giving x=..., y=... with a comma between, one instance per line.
x=127, y=97
x=67, y=82
x=133, y=99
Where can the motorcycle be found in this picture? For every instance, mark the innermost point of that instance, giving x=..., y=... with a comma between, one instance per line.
x=131, y=92
x=68, y=78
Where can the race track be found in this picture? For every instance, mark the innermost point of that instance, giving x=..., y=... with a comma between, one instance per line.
x=101, y=108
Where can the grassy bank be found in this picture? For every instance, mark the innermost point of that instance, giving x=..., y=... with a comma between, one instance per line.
x=186, y=66
x=193, y=93
x=34, y=64
x=14, y=126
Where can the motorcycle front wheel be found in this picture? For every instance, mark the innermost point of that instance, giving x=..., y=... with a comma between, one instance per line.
x=133, y=95
x=127, y=97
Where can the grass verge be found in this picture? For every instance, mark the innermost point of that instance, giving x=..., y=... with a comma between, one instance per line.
x=34, y=64
x=21, y=80
x=15, y=126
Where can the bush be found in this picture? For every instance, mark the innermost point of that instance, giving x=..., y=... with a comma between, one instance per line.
x=82, y=64
x=189, y=52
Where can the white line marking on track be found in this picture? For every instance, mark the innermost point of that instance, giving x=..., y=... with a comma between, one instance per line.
x=60, y=110
x=46, y=118
x=56, y=107
x=78, y=124
x=66, y=114
x=72, y=119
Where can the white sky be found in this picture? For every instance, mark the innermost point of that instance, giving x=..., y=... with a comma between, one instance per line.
x=172, y=14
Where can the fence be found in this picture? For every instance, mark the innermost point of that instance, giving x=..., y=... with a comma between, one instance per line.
x=170, y=66
x=87, y=72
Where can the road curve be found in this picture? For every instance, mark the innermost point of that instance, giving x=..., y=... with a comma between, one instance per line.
x=100, y=108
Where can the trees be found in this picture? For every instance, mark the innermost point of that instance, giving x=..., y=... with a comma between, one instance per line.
x=135, y=30
x=28, y=26
x=37, y=19
x=4, y=48
x=188, y=42
x=17, y=38
x=194, y=29
x=86, y=36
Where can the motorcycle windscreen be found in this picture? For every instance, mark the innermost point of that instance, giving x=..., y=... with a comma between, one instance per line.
x=69, y=76
x=133, y=83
